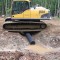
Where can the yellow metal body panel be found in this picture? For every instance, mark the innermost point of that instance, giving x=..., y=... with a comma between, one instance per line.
x=35, y=14
x=26, y=14
x=30, y=14
x=42, y=12
x=17, y=16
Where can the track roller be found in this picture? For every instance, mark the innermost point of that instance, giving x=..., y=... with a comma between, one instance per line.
x=43, y=26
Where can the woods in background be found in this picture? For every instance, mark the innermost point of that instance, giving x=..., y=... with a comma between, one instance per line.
x=53, y=5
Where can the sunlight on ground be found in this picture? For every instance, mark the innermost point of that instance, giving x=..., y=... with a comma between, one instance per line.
x=38, y=49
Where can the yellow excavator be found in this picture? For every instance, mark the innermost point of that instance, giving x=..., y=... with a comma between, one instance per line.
x=25, y=17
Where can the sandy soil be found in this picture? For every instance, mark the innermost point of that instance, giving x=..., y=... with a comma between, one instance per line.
x=47, y=43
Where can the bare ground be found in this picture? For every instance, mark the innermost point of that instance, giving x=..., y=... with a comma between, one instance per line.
x=14, y=46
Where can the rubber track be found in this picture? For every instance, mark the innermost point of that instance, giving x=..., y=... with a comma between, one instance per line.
x=23, y=26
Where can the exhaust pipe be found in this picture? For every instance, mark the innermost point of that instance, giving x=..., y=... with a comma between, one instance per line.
x=30, y=39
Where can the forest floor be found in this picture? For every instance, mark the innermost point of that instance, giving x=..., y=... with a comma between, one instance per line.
x=14, y=46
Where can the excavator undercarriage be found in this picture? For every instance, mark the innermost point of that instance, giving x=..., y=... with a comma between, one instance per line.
x=24, y=26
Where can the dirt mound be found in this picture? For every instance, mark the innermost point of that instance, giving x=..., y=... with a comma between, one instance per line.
x=32, y=56
x=10, y=55
x=48, y=38
x=51, y=35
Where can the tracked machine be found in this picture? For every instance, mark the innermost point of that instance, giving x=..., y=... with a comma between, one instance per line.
x=25, y=17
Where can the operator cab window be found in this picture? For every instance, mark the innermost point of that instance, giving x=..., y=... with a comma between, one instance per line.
x=19, y=7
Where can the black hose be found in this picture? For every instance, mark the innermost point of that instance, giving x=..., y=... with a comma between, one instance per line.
x=29, y=37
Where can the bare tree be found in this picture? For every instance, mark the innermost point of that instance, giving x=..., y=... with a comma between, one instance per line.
x=58, y=10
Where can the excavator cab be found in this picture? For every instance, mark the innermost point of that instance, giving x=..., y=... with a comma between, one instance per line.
x=19, y=7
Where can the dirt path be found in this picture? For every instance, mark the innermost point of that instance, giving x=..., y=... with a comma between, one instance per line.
x=47, y=43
